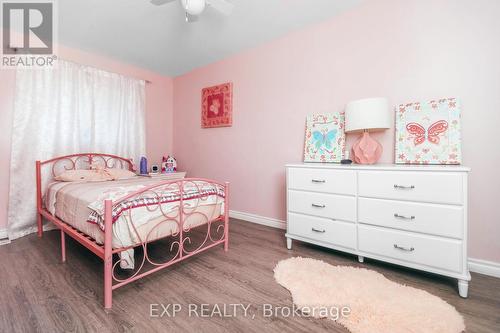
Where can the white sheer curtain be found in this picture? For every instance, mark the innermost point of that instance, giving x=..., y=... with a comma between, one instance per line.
x=70, y=109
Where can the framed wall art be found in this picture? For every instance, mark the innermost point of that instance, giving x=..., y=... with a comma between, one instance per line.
x=325, y=137
x=217, y=106
x=429, y=133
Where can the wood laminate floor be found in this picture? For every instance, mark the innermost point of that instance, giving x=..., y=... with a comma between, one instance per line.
x=39, y=293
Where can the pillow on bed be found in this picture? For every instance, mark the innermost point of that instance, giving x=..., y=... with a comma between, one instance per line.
x=83, y=175
x=117, y=174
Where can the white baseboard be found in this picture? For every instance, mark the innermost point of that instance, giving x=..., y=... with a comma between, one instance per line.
x=4, y=237
x=267, y=221
x=475, y=265
x=484, y=267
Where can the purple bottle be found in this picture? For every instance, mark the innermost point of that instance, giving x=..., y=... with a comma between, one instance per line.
x=144, y=166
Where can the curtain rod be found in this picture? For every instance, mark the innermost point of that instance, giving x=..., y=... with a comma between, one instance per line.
x=105, y=70
x=134, y=77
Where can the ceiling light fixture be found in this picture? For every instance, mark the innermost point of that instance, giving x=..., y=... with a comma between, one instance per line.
x=193, y=7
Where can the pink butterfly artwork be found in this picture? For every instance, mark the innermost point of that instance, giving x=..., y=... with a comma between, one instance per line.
x=433, y=132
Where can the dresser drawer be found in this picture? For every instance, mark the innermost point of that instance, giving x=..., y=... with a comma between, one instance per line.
x=431, y=219
x=338, y=207
x=322, y=180
x=430, y=251
x=412, y=186
x=334, y=232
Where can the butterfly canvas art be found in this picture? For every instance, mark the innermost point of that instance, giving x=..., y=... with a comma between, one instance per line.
x=325, y=137
x=429, y=133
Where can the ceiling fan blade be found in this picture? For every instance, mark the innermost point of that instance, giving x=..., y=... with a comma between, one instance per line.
x=223, y=6
x=191, y=18
x=160, y=2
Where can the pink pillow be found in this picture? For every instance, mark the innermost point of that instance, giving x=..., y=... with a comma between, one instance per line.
x=117, y=174
x=83, y=176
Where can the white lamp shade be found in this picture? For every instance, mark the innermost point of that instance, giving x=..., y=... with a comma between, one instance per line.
x=367, y=114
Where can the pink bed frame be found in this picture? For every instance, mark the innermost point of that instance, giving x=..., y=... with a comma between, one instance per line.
x=105, y=251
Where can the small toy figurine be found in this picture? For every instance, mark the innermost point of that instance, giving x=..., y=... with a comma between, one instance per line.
x=168, y=164
x=171, y=164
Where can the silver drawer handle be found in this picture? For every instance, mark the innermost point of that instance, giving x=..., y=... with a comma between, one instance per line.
x=408, y=249
x=320, y=231
x=318, y=181
x=318, y=206
x=403, y=187
x=396, y=215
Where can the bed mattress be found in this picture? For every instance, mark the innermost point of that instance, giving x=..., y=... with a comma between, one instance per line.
x=78, y=204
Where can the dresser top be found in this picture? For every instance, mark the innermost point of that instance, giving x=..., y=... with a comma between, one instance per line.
x=393, y=167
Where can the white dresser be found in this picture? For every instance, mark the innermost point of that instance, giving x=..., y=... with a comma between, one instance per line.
x=415, y=216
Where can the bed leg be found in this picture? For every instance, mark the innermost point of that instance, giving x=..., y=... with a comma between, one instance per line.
x=226, y=239
x=39, y=198
x=108, y=292
x=108, y=255
x=63, y=246
x=39, y=224
x=226, y=217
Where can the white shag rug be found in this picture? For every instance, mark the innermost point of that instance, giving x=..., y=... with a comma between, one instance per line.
x=377, y=304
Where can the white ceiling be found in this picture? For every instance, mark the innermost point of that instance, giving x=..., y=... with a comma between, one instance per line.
x=159, y=39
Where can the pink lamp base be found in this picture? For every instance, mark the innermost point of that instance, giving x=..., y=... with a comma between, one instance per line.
x=366, y=150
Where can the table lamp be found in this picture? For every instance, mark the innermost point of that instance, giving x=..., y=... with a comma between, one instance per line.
x=364, y=115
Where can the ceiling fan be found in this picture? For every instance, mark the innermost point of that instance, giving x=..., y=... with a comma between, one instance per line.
x=194, y=8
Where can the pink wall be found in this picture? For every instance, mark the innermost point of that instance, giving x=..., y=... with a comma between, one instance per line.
x=402, y=50
x=159, y=112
